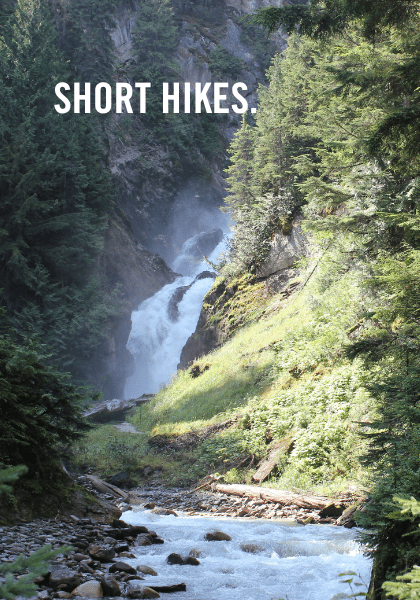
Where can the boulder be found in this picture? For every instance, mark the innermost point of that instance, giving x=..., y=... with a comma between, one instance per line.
x=251, y=548
x=175, y=559
x=90, y=589
x=347, y=518
x=121, y=480
x=122, y=567
x=284, y=251
x=146, y=570
x=332, y=510
x=136, y=529
x=164, y=511
x=64, y=577
x=143, y=540
x=110, y=586
x=206, y=275
x=101, y=554
x=135, y=590
x=121, y=547
x=217, y=536
x=170, y=589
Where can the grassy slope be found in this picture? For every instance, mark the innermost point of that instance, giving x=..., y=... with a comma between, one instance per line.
x=283, y=375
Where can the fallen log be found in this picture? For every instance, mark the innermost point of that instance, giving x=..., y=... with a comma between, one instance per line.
x=114, y=410
x=107, y=488
x=269, y=464
x=282, y=497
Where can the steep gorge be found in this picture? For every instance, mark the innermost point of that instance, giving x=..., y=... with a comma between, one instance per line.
x=165, y=194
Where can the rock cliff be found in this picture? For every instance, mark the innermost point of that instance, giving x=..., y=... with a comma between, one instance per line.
x=163, y=197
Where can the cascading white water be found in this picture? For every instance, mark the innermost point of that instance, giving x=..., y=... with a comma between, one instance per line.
x=156, y=339
x=288, y=561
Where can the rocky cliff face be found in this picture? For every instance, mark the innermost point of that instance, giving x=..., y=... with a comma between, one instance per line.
x=150, y=180
x=162, y=200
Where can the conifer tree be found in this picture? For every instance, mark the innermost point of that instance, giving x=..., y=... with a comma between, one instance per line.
x=55, y=191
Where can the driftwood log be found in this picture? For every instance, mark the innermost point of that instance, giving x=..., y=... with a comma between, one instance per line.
x=269, y=464
x=271, y=495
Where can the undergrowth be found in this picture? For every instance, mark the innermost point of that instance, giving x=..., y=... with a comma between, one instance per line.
x=284, y=375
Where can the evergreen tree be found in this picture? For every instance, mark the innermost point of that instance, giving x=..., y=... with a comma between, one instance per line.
x=323, y=18
x=55, y=191
x=39, y=409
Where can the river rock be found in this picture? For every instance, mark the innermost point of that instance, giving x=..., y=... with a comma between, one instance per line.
x=137, y=529
x=85, y=568
x=175, y=559
x=122, y=567
x=206, y=275
x=217, y=536
x=101, y=554
x=164, y=511
x=121, y=480
x=90, y=589
x=332, y=510
x=170, y=589
x=196, y=553
x=252, y=548
x=121, y=547
x=63, y=577
x=143, y=540
x=110, y=586
x=79, y=557
x=134, y=590
x=146, y=570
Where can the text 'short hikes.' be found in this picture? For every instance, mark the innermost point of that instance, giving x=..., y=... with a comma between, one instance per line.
x=195, y=97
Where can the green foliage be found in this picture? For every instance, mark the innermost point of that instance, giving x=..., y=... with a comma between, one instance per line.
x=10, y=475
x=224, y=64
x=33, y=566
x=344, y=146
x=282, y=375
x=83, y=34
x=155, y=37
x=40, y=410
x=323, y=18
x=55, y=191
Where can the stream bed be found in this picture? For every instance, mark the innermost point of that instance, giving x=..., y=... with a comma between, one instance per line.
x=265, y=559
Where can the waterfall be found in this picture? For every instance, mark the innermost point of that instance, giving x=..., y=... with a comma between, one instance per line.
x=163, y=323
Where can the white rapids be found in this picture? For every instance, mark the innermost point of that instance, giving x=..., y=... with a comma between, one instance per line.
x=292, y=562
x=155, y=340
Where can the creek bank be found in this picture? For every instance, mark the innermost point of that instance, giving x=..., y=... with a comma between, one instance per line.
x=223, y=502
x=97, y=566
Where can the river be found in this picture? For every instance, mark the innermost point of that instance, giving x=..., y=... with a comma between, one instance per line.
x=289, y=561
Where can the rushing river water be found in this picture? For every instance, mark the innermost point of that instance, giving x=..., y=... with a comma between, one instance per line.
x=290, y=562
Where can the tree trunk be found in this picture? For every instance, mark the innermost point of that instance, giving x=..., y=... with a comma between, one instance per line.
x=271, y=495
